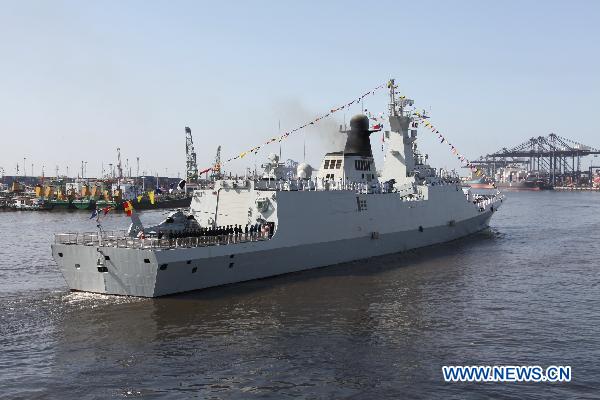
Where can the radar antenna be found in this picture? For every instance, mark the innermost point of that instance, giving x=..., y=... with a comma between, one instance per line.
x=190, y=153
x=397, y=105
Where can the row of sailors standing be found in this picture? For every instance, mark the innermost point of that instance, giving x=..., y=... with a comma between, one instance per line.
x=229, y=233
x=237, y=230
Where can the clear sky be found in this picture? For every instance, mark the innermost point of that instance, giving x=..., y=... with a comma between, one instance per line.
x=79, y=79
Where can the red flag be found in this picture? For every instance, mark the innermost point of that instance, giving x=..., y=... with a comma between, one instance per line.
x=106, y=209
x=128, y=207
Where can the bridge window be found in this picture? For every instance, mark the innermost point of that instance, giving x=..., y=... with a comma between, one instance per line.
x=326, y=166
x=338, y=164
x=362, y=165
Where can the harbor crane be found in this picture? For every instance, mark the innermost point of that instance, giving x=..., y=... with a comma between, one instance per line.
x=119, y=164
x=191, y=165
x=216, y=168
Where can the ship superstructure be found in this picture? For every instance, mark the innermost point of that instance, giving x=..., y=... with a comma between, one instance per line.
x=243, y=229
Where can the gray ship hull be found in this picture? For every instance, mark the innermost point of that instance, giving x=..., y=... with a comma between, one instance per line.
x=153, y=272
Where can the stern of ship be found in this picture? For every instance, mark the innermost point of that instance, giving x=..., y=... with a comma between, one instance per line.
x=107, y=270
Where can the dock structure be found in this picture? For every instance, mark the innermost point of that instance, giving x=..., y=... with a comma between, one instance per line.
x=577, y=188
x=560, y=160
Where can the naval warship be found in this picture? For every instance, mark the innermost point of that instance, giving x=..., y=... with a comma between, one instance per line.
x=267, y=225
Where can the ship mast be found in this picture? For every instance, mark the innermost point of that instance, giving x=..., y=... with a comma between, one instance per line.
x=392, y=87
x=399, y=159
x=397, y=106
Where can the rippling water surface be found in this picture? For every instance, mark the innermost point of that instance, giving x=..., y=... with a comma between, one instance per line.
x=525, y=292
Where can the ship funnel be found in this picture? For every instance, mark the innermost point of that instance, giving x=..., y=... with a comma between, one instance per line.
x=358, y=141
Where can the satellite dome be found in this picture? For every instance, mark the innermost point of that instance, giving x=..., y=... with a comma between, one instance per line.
x=359, y=122
x=304, y=171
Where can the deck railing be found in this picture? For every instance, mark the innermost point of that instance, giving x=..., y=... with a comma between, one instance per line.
x=363, y=187
x=121, y=240
x=483, y=201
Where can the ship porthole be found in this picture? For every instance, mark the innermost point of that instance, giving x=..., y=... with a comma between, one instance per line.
x=77, y=266
x=420, y=229
x=60, y=254
x=147, y=260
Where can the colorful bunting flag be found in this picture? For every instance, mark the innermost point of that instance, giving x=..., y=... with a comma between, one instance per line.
x=478, y=172
x=317, y=119
x=128, y=207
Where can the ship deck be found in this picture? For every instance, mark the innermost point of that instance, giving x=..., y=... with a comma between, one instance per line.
x=120, y=239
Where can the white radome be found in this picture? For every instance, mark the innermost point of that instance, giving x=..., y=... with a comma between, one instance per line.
x=304, y=171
